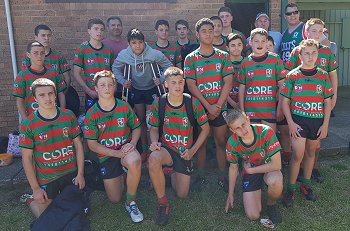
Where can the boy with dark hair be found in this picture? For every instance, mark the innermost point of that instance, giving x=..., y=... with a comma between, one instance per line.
x=25, y=100
x=112, y=131
x=49, y=138
x=175, y=145
x=234, y=46
x=171, y=51
x=208, y=74
x=143, y=85
x=91, y=58
x=261, y=75
x=270, y=46
x=307, y=104
x=258, y=148
x=219, y=41
x=226, y=16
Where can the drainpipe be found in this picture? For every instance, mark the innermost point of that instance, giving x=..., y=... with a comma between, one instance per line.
x=12, y=42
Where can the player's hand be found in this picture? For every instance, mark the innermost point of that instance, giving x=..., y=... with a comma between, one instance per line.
x=92, y=94
x=127, y=148
x=247, y=167
x=127, y=84
x=119, y=154
x=229, y=203
x=213, y=111
x=187, y=154
x=85, y=43
x=40, y=195
x=155, y=146
x=294, y=130
x=156, y=81
x=322, y=132
x=80, y=181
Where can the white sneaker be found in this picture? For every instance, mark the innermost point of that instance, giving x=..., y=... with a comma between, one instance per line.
x=134, y=212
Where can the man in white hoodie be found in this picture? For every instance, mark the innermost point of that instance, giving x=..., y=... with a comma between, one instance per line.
x=142, y=83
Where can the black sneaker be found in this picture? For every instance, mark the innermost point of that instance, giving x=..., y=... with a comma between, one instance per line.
x=308, y=193
x=223, y=183
x=162, y=214
x=288, y=198
x=274, y=214
x=197, y=184
x=316, y=176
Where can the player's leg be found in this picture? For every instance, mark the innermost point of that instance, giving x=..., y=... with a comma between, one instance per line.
x=140, y=110
x=182, y=184
x=111, y=172
x=285, y=143
x=251, y=184
x=114, y=188
x=274, y=181
x=315, y=172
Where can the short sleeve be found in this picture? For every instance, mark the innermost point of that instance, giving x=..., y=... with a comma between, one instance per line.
x=293, y=59
x=231, y=155
x=26, y=138
x=90, y=128
x=78, y=57
x=189, y=71
x=19, y=87
x=329, y=91
x=133, y=121
x=287, y=87
x=227, y=66
x=272, y=145
x=198, y=111
x=153, y=117
x=63, y=65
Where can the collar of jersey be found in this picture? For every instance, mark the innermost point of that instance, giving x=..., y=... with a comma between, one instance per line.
x=95, y=48
x=244, y=144
x=37, y=73
x=46, y=119
x=104, y=111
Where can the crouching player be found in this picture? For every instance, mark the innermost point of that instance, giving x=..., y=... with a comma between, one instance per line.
x=50, y=136
x=174, y=145
x=307, y=104
x=112, y=131
x=258, y=148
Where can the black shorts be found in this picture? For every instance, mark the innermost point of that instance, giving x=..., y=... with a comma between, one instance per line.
x=282, y=122
x=111, y=168
x=55, y=187
x=309, y=126
x=180, y=165
x=252, y=182
x=218, y=121
x=271, y=121
x=144, y=96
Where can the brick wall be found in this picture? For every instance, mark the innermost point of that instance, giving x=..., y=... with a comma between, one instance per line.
x=69, y=24
x=275, y=15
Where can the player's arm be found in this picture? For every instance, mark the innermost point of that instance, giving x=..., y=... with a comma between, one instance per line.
x=232, y=176
x=129, y=147
x=292, y=126
x=225, y=91
x=62, y=98
x=67, y=79
x=278, y=97
x=27, y=160
x=154, y=137
x=20, y=103
x=77, y=76
x=203, y=134
x=99, y=148
x=241, y=92
x=273, y=165
x=79, y=152
x=334, y=80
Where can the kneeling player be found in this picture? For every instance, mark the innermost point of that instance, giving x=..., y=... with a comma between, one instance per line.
x=50, y=135
x=259, y=149
x=112, y=131
x=172, y=140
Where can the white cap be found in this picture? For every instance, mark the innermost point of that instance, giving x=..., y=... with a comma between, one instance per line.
x=261, y=15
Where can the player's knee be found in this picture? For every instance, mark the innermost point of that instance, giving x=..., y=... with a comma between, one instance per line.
x=252, y=215
x=297, y=157
x=153, y=161
x=275, y=181
x=134, y=164
x=115, y=199
x=182, y=195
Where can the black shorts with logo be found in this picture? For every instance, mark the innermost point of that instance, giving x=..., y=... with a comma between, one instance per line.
x=55, y=187
x=309, y=126
x=111, y=168
x=180, y=165
x=218, y=121
x=252, y=182
x=144, y=96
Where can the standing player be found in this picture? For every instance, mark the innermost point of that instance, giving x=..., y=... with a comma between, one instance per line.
x=171, y=51
x=258, y=148
x=326, y=61
x=25, y=100
x=306, y=103
x=208, y=74
x=175, y=145
x=219, y=41
x=91, y=58
x=235, y=47
x=49, y=138
x=260, y=76
x=112, y=131
x=143, y=85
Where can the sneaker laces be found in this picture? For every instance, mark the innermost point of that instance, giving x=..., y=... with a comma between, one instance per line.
x=134, y=209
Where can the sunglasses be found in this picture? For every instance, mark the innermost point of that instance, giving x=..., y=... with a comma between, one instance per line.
x=293, y=12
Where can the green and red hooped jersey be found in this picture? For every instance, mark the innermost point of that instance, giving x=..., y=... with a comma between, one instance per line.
x=208, y=72
x=290, y=41
x=221, y=46
x=264, y=146
x=53, y=60
x=24, y=80
x=260, y=77
x=325, y=59
x=172, y=52
x=235, y=83
x=307, y=90
x=52, y=143
x=93, y=60
x=177, y=129
x=111, y=129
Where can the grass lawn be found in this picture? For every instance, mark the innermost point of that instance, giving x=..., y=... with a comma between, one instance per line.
x=205, y=210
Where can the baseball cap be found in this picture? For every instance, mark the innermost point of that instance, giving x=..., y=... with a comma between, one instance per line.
x=261, y=15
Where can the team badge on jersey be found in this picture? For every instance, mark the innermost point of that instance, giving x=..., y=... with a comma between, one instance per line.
x=200, y=70
x=90, y=61
x=107, y=61
x=101, y=126
x=298, y=88
x=323, y=62
x=185, y=121
x=269, y=73
x=65, y=131
x=43, y=136
x=218, y=67
x=250, y=74
x=54, y=66
x=120, y=122
x=166, y=120
x=319, y=89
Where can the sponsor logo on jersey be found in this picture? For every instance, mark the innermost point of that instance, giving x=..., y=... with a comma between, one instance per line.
x=200, y=70
x=323, y=62
x=319, y=89
x=65, y=131
x=101, y=126
x=250, y=74
x=298, y=88
x=269, y=73
x=120, y=122
x=185, y=121
x=90, y=61
x=218, y=67
x=43, y=136
x=59, y=154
